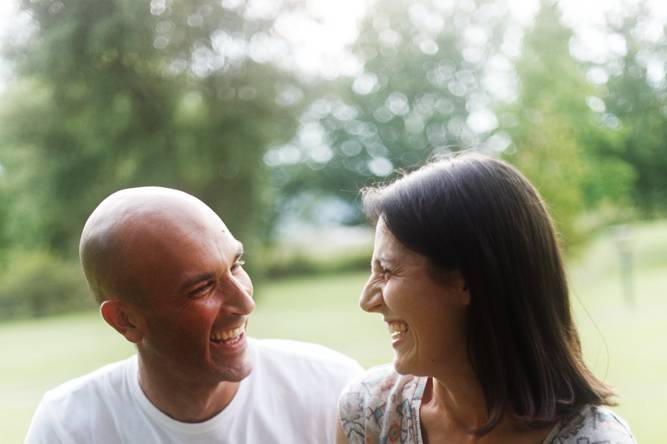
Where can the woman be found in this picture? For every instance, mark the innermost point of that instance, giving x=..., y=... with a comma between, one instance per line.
x=468, y=275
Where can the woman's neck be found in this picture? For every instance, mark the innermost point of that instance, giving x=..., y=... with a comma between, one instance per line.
x=458, y=396
x=454, y=406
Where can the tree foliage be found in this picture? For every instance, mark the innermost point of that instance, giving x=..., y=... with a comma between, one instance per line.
x=420, y=93
x=558, y=140
x=637, y=104
x=118, y=93
x=194, y=94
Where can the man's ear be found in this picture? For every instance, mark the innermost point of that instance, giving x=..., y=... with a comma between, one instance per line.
x=121, y=316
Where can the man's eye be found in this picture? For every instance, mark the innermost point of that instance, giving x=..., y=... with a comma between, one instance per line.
x=239, y=263
x=202, y=289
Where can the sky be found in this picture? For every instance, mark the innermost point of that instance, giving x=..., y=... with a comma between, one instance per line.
x=7, y=12
x=322, y=38
x=7, y=9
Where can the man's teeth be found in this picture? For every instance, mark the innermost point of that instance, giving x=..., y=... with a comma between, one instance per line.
x=397, y=328
x=228, y=335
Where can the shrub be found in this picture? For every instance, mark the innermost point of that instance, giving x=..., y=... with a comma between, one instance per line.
x=34, y=284
x=278, y=264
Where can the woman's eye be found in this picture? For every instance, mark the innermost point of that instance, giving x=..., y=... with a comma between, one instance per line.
x=379, y=271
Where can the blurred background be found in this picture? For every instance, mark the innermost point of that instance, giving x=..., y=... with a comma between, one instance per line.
x=276, y=113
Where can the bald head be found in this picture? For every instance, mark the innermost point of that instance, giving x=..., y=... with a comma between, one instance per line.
x=129, y=230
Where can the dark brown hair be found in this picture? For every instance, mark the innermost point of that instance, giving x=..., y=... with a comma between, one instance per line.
x=482, y=217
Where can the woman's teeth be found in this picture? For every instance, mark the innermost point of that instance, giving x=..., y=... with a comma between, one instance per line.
x=397, y=328
x=228, y=336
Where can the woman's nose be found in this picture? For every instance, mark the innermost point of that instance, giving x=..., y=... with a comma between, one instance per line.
x=371, y=297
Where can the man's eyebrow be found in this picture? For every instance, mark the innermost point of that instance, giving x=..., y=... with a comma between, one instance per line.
x=189, y=282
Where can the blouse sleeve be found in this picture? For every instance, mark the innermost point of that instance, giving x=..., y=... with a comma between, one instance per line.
x=351, y=413
x=595, y=425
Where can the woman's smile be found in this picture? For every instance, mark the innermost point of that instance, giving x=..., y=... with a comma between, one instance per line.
x=397, y=330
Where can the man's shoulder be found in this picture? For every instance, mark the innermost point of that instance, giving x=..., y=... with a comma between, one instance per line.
x=60, y=410
x=305, y=353
x=295, y=366
x=85, y=389
x=594, y=424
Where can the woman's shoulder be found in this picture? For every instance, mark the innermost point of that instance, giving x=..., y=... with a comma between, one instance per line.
x=593, y=424
x=375, y=376
x=376, y=401
x=366, y=390
x=375, y=385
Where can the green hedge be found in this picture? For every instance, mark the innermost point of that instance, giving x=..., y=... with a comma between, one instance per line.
x=35, y=284
x=278, y=264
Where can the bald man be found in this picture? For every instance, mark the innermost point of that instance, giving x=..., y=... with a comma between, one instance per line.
x=169, y=277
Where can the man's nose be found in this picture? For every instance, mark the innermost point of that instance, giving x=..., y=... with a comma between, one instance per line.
x=371, y=297
x=237, y=297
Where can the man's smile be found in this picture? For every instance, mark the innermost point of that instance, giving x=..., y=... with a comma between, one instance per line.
x=229, y=337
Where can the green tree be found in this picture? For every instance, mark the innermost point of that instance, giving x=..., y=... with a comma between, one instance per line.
x=118, y=93
x=420, y=92
x=637, y=103
x=558, y=140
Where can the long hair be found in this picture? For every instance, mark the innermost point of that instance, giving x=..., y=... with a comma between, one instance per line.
x=482, y=217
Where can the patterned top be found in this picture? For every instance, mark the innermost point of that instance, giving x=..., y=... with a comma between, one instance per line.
x=383, y=408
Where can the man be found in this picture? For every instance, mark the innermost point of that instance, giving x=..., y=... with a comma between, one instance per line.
x=169, y=277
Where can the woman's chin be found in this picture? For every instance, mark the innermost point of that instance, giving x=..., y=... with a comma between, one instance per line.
x=402, y=366
x=409, y=365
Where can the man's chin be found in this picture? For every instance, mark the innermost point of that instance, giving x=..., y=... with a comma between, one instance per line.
x=237, y=375
x=237, y=372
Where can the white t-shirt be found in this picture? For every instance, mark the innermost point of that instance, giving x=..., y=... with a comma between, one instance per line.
x=289, y=397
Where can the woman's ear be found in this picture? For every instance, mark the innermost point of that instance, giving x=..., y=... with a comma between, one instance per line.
x=458, y=282
x=466, y=293
x=123, y=318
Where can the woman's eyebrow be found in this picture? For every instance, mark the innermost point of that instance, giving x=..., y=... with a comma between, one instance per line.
x=384, y=260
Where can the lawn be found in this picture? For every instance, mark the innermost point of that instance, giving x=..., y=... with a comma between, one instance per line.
x=621, y=342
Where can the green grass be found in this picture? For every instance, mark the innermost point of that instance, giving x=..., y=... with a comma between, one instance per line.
x=623, y=345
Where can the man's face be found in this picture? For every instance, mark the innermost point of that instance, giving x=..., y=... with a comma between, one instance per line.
x=195, y=297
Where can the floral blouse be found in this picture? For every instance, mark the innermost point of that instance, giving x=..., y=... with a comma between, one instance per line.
x=383, y=408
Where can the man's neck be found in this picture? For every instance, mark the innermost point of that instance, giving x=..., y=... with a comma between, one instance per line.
x=185, y=401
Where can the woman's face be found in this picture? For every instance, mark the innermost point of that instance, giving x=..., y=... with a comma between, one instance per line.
x=425, y=314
